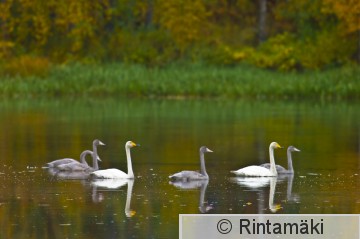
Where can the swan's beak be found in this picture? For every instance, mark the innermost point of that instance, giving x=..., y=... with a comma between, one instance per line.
x=278, y=146
x=297, y=150
x=98, y=158
x=134, y=144
x=209, y=151
x=101, y=143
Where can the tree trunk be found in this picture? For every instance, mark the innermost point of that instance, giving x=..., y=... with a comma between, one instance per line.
x=358, y=53
x=149, y=14
x=262, y=20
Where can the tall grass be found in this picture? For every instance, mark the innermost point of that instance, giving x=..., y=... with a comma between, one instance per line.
x=183, y=81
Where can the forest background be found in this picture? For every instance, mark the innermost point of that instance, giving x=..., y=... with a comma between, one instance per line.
x=57, y=40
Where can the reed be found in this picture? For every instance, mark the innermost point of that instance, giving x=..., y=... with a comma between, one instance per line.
x=183, y=81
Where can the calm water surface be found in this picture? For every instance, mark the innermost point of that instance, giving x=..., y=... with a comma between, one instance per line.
x=35, y=203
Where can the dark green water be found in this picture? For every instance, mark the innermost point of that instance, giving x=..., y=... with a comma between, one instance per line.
x=36, y=204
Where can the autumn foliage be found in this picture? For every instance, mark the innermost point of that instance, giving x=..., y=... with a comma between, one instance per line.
x=303, y=34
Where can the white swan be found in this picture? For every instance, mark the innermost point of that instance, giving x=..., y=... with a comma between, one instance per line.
x=56, y=163
x=281, y=169
x=116, y=173
x=192, y=175
x=258, y=171
x=80, y=166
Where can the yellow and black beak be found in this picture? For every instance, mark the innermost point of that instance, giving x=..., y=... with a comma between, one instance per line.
x=134, y=144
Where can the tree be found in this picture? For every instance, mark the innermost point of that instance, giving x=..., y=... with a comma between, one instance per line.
x=262, y=20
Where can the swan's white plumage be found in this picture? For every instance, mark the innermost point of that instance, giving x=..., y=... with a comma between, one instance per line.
x=253, y=171
x=258, y=171
x=116, y=173
x=110, y=173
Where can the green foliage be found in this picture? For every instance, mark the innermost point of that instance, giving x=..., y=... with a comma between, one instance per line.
x=328, y=49
x=150, y=48
x=183, y=80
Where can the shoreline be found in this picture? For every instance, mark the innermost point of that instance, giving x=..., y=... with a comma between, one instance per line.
x=182, y=82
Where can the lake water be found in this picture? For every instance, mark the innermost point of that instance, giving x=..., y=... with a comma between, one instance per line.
x=36, y=204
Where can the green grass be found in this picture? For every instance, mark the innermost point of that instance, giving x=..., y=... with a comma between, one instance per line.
x=183, y=81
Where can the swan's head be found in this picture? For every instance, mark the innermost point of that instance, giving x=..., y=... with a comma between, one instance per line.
x=275, y=145
x=204, y=149
x=130, y=144
x=293, y=149
x=97, y=142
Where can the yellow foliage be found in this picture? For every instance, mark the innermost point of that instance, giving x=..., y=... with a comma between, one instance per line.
x=326, y=49
x=184, y=19
x=26, y=66
x=348, y=11
x=5, y=48
x=239, y=55
x=155, y=31
x=275, y=53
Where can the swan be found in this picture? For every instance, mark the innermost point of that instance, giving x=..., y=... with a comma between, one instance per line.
x=56, y=163
x=116, y=173
x=80, y=166
x=95, y=156
x=192, y=175
x=281, y=169
x=258, y=171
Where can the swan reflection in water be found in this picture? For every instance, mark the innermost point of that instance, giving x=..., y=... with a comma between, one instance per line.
x=290, y=196
x=258, y=184
x=67, y=175
x=202, y=184
x=273, y=207
x=114, y=184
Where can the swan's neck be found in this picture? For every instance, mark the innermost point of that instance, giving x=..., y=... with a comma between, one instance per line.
x=202, y=165
x=83, y=158
x=95, y=156
x=129, y=164
x=272, y=162
x=290, y=165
